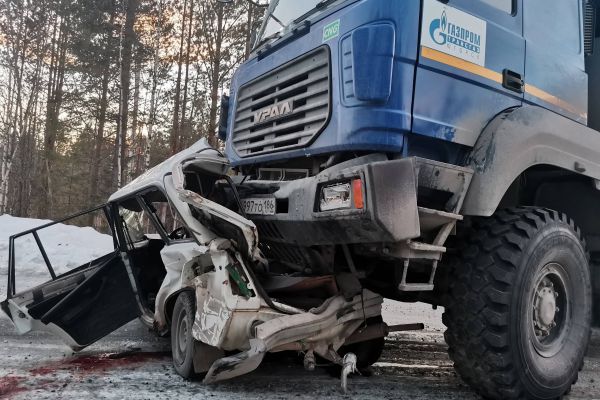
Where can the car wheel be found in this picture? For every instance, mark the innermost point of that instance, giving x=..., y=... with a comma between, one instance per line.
x=367, y=352
x=519, y=305
x=147, y=320
x=182, y=341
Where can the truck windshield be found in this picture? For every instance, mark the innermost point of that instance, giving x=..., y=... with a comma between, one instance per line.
x=283, y=13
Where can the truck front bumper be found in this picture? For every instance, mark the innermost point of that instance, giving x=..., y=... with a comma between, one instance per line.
x=390, y=212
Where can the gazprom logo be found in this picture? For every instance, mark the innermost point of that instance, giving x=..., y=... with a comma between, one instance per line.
x=437, y=29
x=445, y=32
x=444, y=21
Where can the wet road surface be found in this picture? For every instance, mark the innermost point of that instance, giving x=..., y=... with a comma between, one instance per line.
x=132, y=363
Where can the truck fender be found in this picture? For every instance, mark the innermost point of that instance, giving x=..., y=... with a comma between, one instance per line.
x=519, y=139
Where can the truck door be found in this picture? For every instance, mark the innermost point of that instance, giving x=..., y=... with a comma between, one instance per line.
x=556, y=77
x=84, y=303
x=470, y=68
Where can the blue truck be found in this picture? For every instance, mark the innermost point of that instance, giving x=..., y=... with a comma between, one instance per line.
x=442, y=151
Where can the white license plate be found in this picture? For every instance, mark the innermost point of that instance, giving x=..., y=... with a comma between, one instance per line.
x=259, y=206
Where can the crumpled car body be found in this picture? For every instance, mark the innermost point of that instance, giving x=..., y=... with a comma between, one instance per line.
x=180, y=228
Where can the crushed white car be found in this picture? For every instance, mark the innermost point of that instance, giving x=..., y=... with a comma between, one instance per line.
x=189, y=263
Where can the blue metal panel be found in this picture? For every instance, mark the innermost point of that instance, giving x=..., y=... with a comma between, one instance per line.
x=372, y=52
x=455, y=104
x=349, y=98
x=555, y=73
x=379, y=125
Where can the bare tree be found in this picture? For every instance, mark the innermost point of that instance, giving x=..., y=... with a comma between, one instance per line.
x=176, y=109
x=126, y=49
x=135, y=127
x=54, y=99
x=154, y=88
x=99, y=138
x=23, y=31
x=184, y=126
x=224, y=43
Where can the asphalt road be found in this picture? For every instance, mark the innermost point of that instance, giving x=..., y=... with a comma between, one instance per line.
x=132, y=363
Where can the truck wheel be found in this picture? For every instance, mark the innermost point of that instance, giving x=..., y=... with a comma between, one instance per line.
x=519, y=305
x=182, y=341
x=596, y=291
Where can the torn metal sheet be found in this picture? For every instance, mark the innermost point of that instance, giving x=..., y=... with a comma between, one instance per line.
x=211, y=320
x=218, y=307
x=181, y=261
x=212, y=314
x=238, y=364
x=322, y=330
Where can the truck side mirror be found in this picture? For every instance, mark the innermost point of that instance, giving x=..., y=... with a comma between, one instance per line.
x=224, y=118
x=589, y=26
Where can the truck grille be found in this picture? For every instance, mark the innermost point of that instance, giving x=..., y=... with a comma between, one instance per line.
x=284, y=109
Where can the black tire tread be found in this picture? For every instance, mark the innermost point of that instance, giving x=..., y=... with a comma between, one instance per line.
x=187, y=301
x=478, y=297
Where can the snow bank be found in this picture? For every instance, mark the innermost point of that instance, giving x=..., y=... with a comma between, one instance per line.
x=67, y=247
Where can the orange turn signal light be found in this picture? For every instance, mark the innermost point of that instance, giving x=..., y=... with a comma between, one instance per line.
x=357, y=194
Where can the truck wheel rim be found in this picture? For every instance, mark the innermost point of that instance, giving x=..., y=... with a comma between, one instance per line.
x=550, y=310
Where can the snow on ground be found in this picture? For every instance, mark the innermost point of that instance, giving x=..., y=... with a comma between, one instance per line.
x=67, y=247
x=397, y=313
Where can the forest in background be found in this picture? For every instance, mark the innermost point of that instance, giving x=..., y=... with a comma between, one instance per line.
x=95, y=92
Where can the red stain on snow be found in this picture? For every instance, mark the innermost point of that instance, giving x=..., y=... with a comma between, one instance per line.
x=85, y=365
x=41, y=371
x=77, y=366
x=10, y=385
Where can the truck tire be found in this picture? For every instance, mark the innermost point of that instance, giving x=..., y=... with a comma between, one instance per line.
x=182, y=341
x=596, y=296
x=519, y=308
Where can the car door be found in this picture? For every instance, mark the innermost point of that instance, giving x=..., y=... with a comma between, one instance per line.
x=471, y=66
x=82, y=304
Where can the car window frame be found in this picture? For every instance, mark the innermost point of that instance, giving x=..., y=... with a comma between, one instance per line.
x=157, y=225
x=11, y=288
x=175, y=212
x=114, y=206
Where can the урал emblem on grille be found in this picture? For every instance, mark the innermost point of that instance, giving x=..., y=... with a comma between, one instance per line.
x=274, y=111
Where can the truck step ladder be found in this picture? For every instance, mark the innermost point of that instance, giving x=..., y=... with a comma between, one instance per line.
x=438, y=224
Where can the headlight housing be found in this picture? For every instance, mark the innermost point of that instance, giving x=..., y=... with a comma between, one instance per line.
x=345, y=195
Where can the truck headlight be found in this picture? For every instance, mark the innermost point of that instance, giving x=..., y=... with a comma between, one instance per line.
x=342, y=196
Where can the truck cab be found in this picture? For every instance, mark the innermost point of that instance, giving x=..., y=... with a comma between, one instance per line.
x=380, y=138
x=369, y=76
